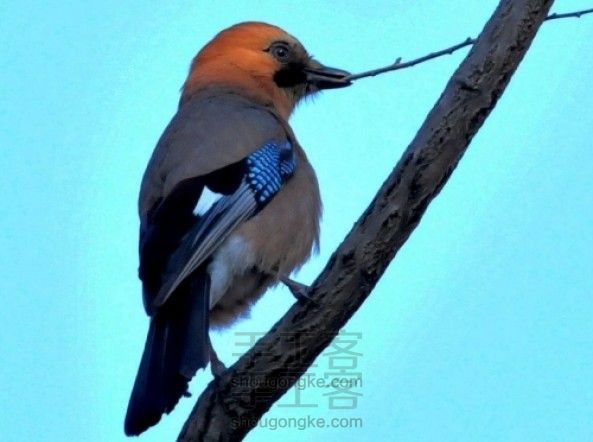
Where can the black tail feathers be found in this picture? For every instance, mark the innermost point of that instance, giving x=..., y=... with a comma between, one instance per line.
x=176, y=347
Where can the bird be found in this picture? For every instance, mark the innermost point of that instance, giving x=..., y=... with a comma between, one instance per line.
x=229, y=142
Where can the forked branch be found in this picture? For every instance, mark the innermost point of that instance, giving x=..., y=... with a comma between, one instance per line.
x=233, y=403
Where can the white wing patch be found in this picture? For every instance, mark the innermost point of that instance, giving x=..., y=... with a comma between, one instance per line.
x=207, y=200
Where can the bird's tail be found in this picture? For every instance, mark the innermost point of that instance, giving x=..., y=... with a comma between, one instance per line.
x=176, y=347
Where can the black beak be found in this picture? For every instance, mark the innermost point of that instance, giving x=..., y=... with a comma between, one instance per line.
x=322, y=77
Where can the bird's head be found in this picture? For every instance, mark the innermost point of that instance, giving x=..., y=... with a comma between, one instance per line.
x=264, y=62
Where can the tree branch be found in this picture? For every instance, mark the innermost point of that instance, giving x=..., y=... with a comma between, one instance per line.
x=448, y=51
x=232, y=404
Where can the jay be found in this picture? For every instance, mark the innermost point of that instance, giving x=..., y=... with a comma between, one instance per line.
x=202, y=268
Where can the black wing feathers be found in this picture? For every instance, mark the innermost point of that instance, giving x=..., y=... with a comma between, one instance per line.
x=166, y=225
x=172, y=219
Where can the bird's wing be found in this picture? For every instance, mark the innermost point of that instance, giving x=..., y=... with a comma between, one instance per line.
x=231, y=147
x=266, y=170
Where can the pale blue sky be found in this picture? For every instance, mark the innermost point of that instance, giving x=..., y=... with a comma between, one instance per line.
x=481, y=329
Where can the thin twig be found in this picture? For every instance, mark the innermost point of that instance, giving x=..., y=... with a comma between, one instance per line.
x=576, y=14
x=448, y=51
x=399, y=65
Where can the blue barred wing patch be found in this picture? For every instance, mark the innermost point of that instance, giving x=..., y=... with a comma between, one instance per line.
x=268, y=168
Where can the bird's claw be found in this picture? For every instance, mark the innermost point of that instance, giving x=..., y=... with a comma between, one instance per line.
x=217, y=367
x=298, y=290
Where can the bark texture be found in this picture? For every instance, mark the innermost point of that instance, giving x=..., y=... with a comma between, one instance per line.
x=232, y=404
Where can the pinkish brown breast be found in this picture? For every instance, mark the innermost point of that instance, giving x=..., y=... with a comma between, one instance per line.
x=275, y=242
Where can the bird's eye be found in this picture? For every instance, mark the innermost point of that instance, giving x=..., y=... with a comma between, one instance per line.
x=281, y=51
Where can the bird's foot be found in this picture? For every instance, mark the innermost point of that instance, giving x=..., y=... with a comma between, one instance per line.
x=217, y=367
x=299, y=291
